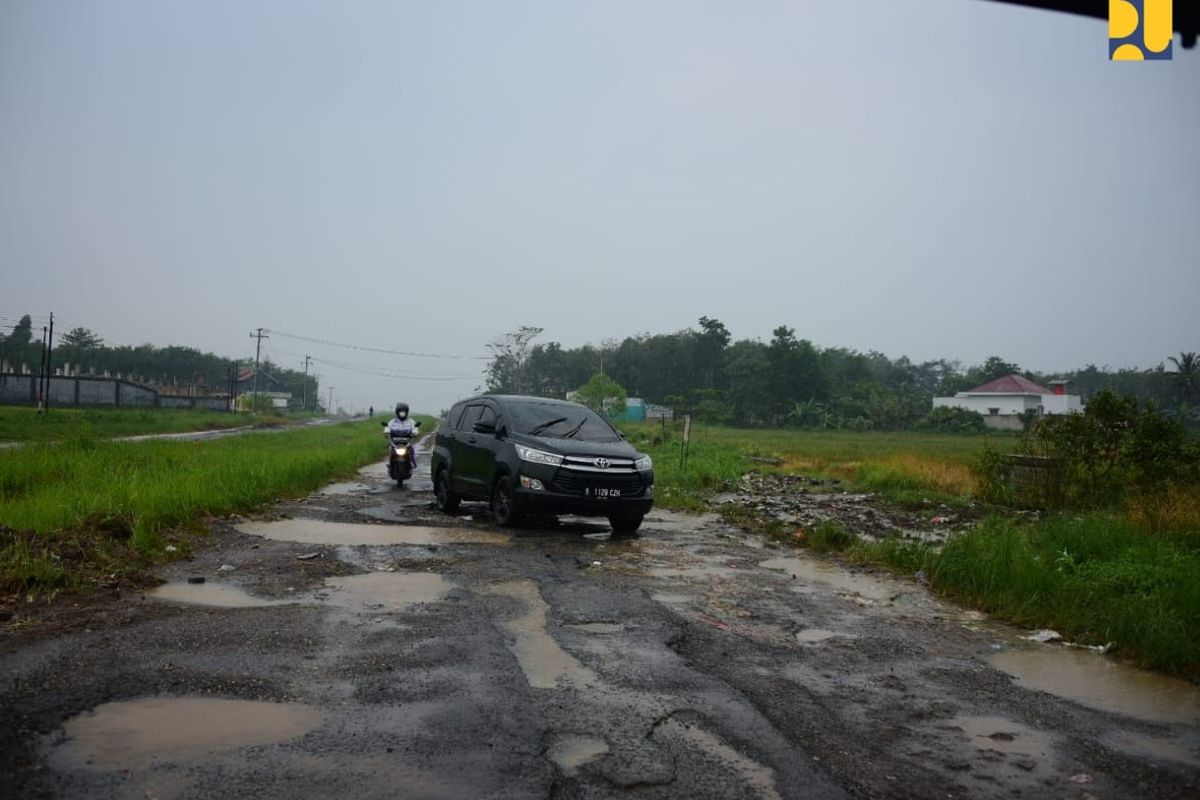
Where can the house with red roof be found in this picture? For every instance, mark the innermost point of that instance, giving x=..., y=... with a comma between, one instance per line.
x=1002, y=402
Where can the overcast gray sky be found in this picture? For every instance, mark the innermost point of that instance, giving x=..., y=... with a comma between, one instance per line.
x=931, y=178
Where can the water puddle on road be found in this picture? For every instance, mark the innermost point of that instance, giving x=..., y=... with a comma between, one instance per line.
x=1183, y=752
x=1100, y=682
x=136, y=733
x=385, y=591
x=1005, y=736
x=818, y=635
x=220, y=595
x=545, y=664
x=572, y=752
x=596, y=627
x=311, y=531
x=759, y=779
x=348, y=487
x=844, y=582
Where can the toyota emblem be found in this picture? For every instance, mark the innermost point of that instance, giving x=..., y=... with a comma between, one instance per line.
x=602, y=463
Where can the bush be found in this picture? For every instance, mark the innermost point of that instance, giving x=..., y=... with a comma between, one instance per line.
x=952, y=420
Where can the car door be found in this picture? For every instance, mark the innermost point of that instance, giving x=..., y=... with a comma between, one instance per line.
x=479, y=448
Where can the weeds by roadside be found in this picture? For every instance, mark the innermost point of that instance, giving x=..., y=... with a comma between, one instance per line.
x=20, y=424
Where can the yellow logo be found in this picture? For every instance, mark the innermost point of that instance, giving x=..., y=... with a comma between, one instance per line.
x=1139, y=30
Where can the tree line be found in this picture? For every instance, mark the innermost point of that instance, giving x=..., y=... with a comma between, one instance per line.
x=788, y=380
x=172, y=365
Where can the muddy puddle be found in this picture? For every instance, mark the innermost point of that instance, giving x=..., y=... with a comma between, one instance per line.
x=819, y=635
x=1005, y=736
x=310, y=531
x=1101, y=682
x=596, y=627
x=759, y=779
x=809, y=572
x=137, y=733
x=545, y=664
x=347, y=487
x=572, y=752
x=385, y=591
x=1181, y=751
x=219, y=595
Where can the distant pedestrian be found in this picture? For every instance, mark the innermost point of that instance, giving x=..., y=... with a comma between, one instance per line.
x=371, y=411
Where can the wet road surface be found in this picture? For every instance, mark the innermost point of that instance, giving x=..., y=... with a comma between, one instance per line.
x=364, y=645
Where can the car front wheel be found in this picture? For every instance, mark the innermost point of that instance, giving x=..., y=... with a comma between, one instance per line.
x=447, y=500
x=504, y=505
x=625, y=525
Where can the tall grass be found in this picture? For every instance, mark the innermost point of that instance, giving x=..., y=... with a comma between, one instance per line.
x=1096, y=579
x=133, y=492
x=19, y=424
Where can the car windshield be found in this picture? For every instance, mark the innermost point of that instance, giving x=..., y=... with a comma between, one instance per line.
x=562, y=422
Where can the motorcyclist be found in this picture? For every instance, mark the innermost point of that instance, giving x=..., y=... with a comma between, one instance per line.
x=402, y=423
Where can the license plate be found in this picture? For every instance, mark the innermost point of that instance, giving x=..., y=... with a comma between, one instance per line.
x=601, y=492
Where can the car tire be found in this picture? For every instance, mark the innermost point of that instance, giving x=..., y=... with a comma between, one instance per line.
x=504, y=502
x=447, y=500
x=623, y=526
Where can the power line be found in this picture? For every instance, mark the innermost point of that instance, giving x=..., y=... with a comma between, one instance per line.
x=373, y=349
x=382, y=372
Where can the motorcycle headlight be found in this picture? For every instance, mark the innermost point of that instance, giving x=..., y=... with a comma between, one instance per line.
x=401, y=451
x=643, y=464
x=538, y=456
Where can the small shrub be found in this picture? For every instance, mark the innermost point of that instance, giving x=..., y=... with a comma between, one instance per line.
x=828, y=536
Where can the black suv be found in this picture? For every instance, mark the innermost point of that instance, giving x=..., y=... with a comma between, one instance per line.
x=535, y=454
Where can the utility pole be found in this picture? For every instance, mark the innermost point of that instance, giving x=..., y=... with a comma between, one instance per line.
x=41, y=384
x=49, y=359
x=330, y=409
x=257, y=349
x=304, y=403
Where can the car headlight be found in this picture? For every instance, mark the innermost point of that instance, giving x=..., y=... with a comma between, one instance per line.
x=643, y=464
x=538, y=456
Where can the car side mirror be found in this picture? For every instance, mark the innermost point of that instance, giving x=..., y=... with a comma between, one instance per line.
x=484, y=427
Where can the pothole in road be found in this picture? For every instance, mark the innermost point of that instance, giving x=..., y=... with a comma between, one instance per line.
x=1100, y=682
x=1005, y=736
x=759, y=779
x=311, y=531
x=572, y=752
x=385, y=591
x=819, y=635
x=348, y=487
x=545, y=664
x=136, y=733
x=220, y=595
x=839, y=579
x=596, y=627
x=1157, y=749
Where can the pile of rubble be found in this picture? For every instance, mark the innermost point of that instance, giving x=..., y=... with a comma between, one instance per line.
x=803, y=501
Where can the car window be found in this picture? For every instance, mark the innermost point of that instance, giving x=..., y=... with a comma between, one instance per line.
x=488, y=417
x=467, y=421
x=561, y=420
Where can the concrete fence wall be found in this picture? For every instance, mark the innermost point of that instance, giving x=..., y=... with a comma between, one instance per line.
x=21, y=390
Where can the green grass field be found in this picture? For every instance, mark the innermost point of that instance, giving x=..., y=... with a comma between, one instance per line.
x=72, y=507
x=22, y=424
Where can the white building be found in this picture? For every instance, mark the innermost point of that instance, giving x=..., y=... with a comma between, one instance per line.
x=1002, y=401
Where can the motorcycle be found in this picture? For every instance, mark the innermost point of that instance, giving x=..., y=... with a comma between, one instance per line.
x=401, y=457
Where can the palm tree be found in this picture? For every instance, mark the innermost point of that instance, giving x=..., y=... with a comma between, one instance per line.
x=1187, y=375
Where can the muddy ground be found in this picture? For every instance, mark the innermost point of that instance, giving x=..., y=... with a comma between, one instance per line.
x=357, y=643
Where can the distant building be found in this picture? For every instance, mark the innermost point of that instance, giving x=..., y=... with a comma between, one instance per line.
x=1002, y=402
x=268, y=386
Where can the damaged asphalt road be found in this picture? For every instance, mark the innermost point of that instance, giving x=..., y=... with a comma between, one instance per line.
x=358, y=643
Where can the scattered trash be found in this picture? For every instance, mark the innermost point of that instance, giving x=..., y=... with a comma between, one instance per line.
x=595, y=563
x=196, y=579
x=940, y=520
x=308, y=556
x=799, y=534
x=1082, y=777
x=170, y=548
x=1044, y=636
x=922, y=577
x=226, y=568
x=997, y=645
